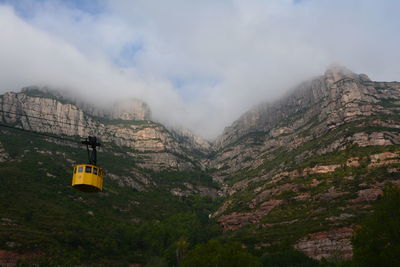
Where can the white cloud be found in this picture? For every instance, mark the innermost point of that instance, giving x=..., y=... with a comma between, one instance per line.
x=31, y=56
x=198, y=63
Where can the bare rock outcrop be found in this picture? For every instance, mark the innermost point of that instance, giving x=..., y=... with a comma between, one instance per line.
x=132, y=109
x=313, y=109
x=326, y=150
x=334, y=244
x=236, y=220
x=154, y=146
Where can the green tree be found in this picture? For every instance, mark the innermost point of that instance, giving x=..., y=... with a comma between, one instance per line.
x=291, y=258
x=181, y=247
x=213, y=253
x=377, y=241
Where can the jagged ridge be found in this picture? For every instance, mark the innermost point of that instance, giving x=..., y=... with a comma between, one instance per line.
x=312, y=160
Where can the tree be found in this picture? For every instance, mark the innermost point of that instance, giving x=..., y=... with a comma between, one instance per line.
x=377, y=241
x=181, y=247
x=290, y=257
x=213, y=253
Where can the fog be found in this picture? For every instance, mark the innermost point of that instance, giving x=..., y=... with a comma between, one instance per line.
x=198, y=64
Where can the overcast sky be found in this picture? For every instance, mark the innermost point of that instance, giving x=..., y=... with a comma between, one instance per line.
x=200, y=64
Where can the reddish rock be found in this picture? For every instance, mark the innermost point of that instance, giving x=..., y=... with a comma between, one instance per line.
x=342, y=216
x=221, y=210
x=331, y=194
x=270, y=193
x=383, y=156
x=236, y=220
x=321, y=169
x=353, y=162
x=327, y=244
x=383, y=159
x=303, y=196
x=315, y=182
x=9, y=258
x=370, y=194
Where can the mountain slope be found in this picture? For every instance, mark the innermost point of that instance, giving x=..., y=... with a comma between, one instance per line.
x=40, y=111
x=309, y=163
x=45, y=221
x=155, y=191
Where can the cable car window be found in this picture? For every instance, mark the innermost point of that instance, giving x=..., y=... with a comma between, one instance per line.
x=88, y=169
x=74, y=169
x=95, y=171
x=80, y=169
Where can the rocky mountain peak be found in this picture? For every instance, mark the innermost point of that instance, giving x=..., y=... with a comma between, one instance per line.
x=323, y=153
x=131, y=109
x=337, y=83
x=128, y=109
x=335, y=73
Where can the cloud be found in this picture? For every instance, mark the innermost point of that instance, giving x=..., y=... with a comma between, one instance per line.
x=31, y=56
x=200, y=64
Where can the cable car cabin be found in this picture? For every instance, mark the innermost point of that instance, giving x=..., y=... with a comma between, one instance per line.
x=88, y=178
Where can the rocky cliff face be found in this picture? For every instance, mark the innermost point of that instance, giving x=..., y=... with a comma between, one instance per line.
x=312, y=110
x=191, y=141
x=310, y=160
x=336, y=89
x=128, y=110
x=126, y=125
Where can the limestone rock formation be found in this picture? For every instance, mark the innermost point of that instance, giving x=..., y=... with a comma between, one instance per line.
x=338, y=91
x=312, y=110
x=133, y=109
x=328, y=146
x=128, y=110
x=328, y=244
x=190, y=140
x=153, y=145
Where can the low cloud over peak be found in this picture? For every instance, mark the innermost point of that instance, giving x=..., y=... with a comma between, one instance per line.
x=197, y=64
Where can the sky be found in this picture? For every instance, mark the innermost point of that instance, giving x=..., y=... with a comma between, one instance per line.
x=198, y=64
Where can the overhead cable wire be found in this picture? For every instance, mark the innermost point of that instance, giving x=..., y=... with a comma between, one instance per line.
x=39, y=118
x=50, y=136
x=61, y=122
x=46, y=114
x=38, y=133
x=51, y=120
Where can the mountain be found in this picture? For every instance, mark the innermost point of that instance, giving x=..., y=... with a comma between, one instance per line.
x=299, y=173
x=127, y=125
x=155, y=191
x=306, y=168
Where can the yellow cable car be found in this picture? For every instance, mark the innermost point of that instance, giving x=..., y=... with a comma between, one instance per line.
x=88, y=177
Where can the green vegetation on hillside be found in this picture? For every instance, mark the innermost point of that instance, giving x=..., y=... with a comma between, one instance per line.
x=377, y=240
x=214, y=253
x=40, y=212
